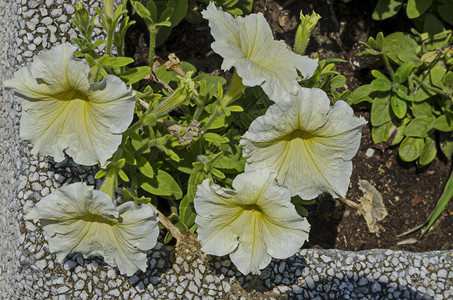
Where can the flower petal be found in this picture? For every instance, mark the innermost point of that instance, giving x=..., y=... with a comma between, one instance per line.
x=63, y=111
x=282, y=223
x=225, y=31
x=76, y=218
x=114, y=102
x=252, y=224
x=247, y=44
x=309, y=144
x=59, y=70
x=251, y=255
x=215, y=213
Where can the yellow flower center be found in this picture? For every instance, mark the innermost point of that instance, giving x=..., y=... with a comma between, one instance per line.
x=299, y=134
x=252, y=207
x=72, y=94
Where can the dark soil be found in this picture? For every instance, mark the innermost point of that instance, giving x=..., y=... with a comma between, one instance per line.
x=410, y=193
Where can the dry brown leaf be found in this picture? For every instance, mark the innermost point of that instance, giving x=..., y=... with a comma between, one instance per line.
x=372, y=206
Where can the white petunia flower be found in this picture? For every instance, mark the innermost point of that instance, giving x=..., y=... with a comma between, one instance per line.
x=308, y=143
x=252, y=223
x=61, y=110
x=76, y=218
x=247, y=44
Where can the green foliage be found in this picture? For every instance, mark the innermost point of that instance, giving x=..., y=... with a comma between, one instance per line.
x=429, y=15
x=329, y=80
x=184, y=131
x=411, y=100
x=234, y=7
x=411, y=104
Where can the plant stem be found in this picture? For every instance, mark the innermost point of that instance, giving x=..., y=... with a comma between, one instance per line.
x=198, y=111
x=428, y=87
x=152, y=45
x=108, y=48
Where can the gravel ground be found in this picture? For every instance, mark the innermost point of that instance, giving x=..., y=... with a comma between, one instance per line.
x=29, y=271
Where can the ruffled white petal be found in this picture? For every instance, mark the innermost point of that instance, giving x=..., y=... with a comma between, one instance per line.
x=76, y=218
x=63, y=111
x=308, y=143
x=216, y=211
x=253, y=223
x=247, y=44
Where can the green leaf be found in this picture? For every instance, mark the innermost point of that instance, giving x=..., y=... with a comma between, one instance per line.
x=398, y=135
x=228, y=163
x=422, y=109
x=119, y=61
x=400, y=47
x=130, y=159
x=422, y=94
x=215, y=138
x=380, y=111
x=168, y=237
x=382, y=85
x=411, y=148
x=404, y=93
x=145, y=167
x=187, y=212
x=162, y=184
x=448, y=80
x=446, y=13
x=135, y=75
x=402, y=73
x=399, y=107
x=429, y=151
x=151, y=6
x=180, y=10
x=211, y=82
x=123, y=175
x=386, y=8
x=380, y=134
x=361, y=94
x=446, y=144
x=337, y=82
x=429, y=57
x=335, y=59
x=302, y=211
x=101, y=173
x=166, y=15
x=432, y=24
x=378, y=74
x=143, y=12
x=446, y=196
x=245, y=6
x=217, y=173
x=415, y=8
x=418, y=127
x=235, y=108
x=443, y=123
x=436, y=74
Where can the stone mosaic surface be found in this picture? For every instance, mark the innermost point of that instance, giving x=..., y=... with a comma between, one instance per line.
x=29, y=271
